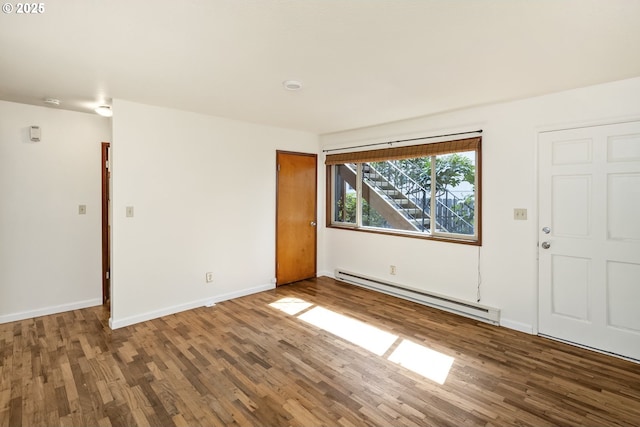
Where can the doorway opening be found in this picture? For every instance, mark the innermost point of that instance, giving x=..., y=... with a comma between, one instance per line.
x=106, y=225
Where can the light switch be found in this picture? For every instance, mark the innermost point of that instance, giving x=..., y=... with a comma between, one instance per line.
x=82, y=209
x=129, y=211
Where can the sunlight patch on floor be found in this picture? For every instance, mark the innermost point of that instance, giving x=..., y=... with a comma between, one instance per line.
x=291, y=306
x=366, y=336
x=422, y=360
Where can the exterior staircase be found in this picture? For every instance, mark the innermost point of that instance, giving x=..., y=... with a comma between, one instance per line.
x=414, y=207
x=404, y=203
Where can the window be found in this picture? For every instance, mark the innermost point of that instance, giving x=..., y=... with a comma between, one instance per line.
x=429, y=190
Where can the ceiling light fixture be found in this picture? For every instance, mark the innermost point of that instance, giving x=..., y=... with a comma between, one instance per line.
x=52, y=101
x=104, y=111
x=292, y=85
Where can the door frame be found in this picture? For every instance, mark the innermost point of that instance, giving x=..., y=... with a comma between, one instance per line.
x=315, y=235
x=106, y=232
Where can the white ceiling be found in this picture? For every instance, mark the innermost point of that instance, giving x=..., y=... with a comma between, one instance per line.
x=361, y=62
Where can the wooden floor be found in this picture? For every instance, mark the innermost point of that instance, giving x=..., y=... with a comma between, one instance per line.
x=247, y=362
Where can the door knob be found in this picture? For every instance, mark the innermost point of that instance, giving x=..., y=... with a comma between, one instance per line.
x=313, y=223
x=546, y=245
x=546, y=230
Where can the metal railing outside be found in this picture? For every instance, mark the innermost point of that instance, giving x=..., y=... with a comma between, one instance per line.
x=451, y=211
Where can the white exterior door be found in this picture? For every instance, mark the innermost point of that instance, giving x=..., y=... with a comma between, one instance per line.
x=589, y=237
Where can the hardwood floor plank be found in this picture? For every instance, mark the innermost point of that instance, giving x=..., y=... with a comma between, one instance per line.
x=15, y=411
x=300, y=416
x=246, y=362
x=179, y=421
x=152, y=406
x=104, y=422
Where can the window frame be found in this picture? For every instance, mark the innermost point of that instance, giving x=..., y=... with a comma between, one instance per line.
x=439, y=148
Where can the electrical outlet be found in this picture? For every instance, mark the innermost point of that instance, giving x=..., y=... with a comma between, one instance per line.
x=392, y=270
x=520, y=214
x=209, y=277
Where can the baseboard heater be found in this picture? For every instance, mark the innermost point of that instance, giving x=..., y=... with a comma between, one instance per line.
x=452, y=305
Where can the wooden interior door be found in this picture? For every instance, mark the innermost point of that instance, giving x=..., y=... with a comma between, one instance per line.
x=106, y=226
x=296, y=216
x=589, y=233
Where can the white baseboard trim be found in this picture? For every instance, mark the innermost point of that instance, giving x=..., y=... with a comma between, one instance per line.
x=54, y=309
x=150, y=315
x=326, y=274
x=517, y=326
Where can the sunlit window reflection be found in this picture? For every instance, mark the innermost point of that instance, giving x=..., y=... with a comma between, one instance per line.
x=413, y=356
x=359, y=333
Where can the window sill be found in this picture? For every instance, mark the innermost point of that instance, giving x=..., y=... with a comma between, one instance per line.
x=387, y=232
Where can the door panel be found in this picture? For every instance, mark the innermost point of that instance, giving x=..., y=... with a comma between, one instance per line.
x=622, y=218
x=589, y=260
x=623, y=295
x=570, y=286
x=571, y=201
x=296, y=217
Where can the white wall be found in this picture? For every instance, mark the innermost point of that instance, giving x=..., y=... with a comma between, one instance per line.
x=194, y=213
x=203, y=192
x=508, y=261
x=50, y=257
